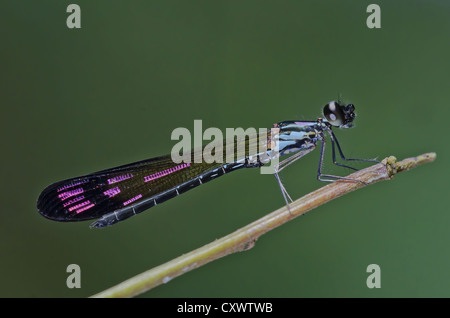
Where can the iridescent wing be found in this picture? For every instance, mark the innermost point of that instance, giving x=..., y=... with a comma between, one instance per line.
x=118, y=193
x=91, y=196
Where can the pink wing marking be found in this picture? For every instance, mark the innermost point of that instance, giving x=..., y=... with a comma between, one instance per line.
x=63, y=196
x=112, y=192
x=81, y=197
x=120, y=178
x=80, y=205
x=165, y=172
x=85, y=208
x=71, y=185
x=132, y=199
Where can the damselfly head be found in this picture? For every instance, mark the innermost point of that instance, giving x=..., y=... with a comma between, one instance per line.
x=339, y=115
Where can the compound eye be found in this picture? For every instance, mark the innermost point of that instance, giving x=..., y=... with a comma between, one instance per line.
x=334, y=114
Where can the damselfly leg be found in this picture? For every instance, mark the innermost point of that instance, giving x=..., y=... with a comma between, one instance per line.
x=283, y=164
x=334, y=142
x=329, y=177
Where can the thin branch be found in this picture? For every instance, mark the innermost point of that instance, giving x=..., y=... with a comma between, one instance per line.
x=245, y=238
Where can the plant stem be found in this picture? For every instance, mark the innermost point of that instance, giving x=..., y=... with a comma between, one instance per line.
x=245, y=238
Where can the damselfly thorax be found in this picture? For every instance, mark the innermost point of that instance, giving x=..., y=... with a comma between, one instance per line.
x=116, y=194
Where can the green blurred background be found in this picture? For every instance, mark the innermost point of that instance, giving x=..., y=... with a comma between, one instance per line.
x=75, y=101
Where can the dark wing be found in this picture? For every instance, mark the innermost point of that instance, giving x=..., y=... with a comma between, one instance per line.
x=91, y=196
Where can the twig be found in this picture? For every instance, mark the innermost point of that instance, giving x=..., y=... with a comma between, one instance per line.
x=245, y=238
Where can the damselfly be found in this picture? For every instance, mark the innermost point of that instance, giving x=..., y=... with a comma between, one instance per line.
x=116, y=194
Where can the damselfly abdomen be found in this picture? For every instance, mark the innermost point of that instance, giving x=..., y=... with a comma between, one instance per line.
x=116, y=194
